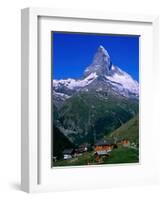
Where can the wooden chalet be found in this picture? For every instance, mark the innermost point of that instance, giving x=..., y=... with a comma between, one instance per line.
x=122, y=141
x=68, y=154
x=104, y=147
x=125, y=142
x=82, y=148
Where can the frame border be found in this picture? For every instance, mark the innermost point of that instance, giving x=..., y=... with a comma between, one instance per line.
x=30, y=147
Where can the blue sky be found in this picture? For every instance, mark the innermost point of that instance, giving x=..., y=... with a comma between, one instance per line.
x=73, y=52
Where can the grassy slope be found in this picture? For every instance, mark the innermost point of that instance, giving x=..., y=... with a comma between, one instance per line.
x=128, y=130
x=86, y=158
x=123, y=155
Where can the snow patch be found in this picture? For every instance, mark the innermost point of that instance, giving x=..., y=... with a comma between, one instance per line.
x=72, y=83
x=123, y=80
x=61, y=95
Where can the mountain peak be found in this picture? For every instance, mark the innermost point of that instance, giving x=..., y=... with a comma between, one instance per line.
x=101, y=63
x=103, y=51
x=101, y=56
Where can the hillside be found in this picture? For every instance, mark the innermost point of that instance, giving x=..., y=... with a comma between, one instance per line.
x=128, y=130
x=118, y=156
x=88, y=116
x=60, y=142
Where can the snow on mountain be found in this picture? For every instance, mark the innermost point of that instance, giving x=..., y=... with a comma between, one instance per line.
x=111, y=75
x=123, y=81
x=61, y=95
x=74, y=83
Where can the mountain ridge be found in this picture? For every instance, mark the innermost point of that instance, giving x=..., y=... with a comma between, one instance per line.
x=100, y=70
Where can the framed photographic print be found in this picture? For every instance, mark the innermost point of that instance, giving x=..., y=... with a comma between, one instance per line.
x=86, y=94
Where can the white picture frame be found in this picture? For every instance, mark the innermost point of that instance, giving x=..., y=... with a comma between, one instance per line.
x=36, y=171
